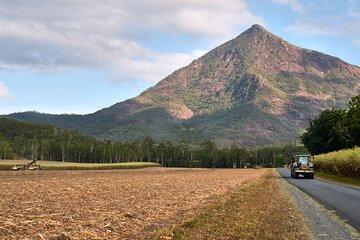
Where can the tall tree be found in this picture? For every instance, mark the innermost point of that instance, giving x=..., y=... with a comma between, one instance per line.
x=328, y=132
x=353, y=119
x=209, y=153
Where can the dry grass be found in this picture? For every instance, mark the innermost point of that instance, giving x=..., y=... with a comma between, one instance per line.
x=113, y=204
x=261, y=210
x=53, y=165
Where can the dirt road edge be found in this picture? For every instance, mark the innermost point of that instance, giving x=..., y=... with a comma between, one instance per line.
x=323, y=223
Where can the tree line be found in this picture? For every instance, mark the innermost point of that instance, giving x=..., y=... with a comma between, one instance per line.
x=20, y=139
x=334, y=129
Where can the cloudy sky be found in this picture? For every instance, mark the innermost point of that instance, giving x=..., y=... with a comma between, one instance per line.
x=79, y=56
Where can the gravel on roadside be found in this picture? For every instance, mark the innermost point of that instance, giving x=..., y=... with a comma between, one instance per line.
x=324, y=224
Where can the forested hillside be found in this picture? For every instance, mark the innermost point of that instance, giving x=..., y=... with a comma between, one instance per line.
x=43, y=142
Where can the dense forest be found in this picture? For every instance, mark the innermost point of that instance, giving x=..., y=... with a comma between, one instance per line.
x=334, y=129
x=20, y=139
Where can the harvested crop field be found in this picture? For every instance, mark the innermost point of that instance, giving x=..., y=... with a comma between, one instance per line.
x=115, y=204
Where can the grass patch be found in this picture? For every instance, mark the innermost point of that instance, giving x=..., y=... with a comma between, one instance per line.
x=52, y=165
x=261, y=210
x=339, y=179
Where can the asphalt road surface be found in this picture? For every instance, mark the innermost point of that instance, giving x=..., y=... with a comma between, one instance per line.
x=344, y=200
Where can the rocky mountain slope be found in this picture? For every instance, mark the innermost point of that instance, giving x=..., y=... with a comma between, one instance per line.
x=255, y=89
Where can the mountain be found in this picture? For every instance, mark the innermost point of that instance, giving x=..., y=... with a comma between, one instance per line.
x=252, y=90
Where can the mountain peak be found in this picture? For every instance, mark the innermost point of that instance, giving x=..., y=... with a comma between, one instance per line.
x=256, y=29
x=257, y=33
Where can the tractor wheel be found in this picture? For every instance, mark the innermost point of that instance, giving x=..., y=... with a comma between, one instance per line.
x=311, y=176
x=296, y=175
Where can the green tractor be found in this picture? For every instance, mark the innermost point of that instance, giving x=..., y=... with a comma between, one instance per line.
x=302, y=166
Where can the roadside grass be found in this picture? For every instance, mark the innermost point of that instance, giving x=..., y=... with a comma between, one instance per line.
x=52, y=165
x=339, y=179
x=261, y=210
x=343, y=163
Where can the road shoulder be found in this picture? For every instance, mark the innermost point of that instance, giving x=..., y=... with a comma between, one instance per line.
x=323, y=223
x=348, y=182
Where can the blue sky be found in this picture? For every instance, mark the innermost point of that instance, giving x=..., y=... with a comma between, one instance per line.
x=81, y=56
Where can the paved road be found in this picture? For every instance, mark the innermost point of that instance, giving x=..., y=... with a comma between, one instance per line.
x=344, y=200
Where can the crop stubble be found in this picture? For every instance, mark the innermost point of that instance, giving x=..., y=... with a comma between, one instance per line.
x=122, y=204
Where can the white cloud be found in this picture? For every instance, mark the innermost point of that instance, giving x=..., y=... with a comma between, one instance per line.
x=321, y=18
x=316, y=27
x=294, y=4
x=4, y=91
x=46, y=35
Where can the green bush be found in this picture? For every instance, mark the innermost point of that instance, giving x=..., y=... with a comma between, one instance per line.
x=342, y=163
